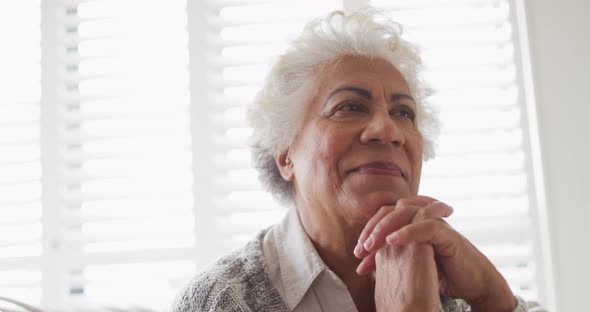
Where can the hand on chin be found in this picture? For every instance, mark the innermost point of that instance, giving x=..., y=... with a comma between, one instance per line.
x=369, y=203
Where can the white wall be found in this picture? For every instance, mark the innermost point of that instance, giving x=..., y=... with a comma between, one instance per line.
x=560, y=50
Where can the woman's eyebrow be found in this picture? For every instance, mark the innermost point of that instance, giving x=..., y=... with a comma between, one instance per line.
x=360, y=91
x=367, y=94
x=399, y=96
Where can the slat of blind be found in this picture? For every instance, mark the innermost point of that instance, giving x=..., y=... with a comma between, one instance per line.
x=481, y=119
x=118, y=146
x=431, y=17
x=261, y=14
x=220, y=4
x=241, y=223
x=21, y=113
x=425, y=4
x=522, y=279
x=125, y=148
x=235, y=158
x=469, y=164
x=129, y=209
x=20, y=284
x=466, y=39
x=483, y=207
x=478, y=142
x=76, y=137
x=236, y=41
x=19, y=153
x=466, y=187
x=480, y=168
x=12, y=135
x=219, y=103
x=137, y=279
x=495, y=231
x=159, y=241
x=20, y=168
x=505, y=255
x=476, y=98
x=131, y=109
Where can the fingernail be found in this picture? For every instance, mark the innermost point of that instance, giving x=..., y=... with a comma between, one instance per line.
x=358, y=271
x=393, y=238
x=450, y=212
x=358, y=249
x=369, y=243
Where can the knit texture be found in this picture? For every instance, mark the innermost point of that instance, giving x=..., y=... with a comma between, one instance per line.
x=237, y=282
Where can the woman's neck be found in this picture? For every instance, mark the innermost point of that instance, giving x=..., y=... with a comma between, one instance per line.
x=334, y=241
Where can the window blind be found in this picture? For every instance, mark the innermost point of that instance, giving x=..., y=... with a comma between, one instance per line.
x=125, y=168
x=481, y=165
x=20, y=162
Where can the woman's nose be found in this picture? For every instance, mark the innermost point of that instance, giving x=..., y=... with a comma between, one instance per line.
x=382, y=128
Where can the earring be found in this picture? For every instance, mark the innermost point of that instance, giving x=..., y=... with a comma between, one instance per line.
x=288, y=161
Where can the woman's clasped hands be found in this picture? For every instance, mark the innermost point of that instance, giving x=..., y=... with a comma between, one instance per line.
x=415, y=256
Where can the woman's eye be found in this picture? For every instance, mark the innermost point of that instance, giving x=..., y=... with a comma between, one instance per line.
x=352, y=107
x=405, y=113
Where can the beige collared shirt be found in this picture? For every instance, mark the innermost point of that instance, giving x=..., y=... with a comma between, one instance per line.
x=299, y=274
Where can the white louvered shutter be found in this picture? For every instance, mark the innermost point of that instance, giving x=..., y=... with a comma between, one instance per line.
x=243, y=38
x=20, y=159
x=482, y=166
x=125, y=166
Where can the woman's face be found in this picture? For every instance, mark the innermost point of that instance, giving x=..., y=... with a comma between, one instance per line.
x=358, y=147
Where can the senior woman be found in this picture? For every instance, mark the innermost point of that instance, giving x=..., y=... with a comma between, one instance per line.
x=341, y=128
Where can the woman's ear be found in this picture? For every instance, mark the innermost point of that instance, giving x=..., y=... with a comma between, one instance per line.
x=285, y=165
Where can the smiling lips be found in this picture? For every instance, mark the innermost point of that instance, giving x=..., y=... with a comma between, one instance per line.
x=380, y=168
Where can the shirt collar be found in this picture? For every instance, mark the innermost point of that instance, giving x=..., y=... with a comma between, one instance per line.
x=300, y=263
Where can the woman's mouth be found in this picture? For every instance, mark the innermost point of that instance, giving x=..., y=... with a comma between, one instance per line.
x=380, y=168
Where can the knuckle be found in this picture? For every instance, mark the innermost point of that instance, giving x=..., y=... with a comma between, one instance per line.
x=435, y=210
x=364, y=234
x=405, y=209
x=428, y=198
x=433, y=223
x=387, y=207
x=390, y=208
x=377, y=230
x=442, y=206
x=422, y=212
x=404, y=202
x=405, y=232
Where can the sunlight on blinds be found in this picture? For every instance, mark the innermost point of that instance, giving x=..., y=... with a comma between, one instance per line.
x=125, y=142
x=137, y=284
x=20, y=163
x=480, y=165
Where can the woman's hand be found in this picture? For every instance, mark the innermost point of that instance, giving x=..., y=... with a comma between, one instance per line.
x=464, y=272
x=406, y=278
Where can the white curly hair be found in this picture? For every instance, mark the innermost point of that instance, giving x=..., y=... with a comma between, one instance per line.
x=277, y=109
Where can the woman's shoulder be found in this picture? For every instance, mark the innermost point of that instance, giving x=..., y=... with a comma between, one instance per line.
x=236, y=282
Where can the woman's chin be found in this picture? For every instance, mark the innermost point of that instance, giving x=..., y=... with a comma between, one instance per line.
x=370, y=203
